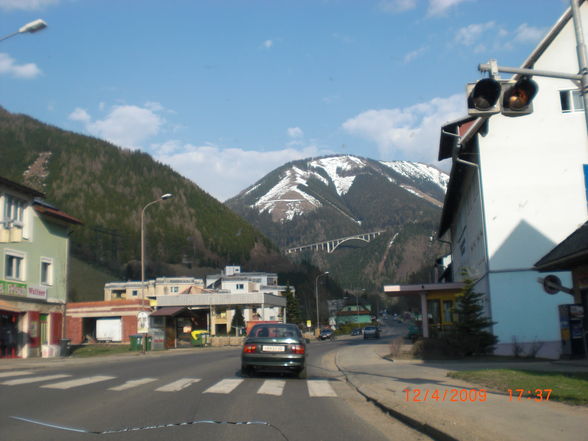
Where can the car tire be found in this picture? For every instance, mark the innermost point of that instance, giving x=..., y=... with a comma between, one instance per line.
x=301, y=374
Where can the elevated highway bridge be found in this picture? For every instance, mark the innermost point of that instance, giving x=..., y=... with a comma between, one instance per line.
x=331, y=245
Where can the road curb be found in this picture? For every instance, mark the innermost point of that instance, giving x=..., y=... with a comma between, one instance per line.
x=413, y=423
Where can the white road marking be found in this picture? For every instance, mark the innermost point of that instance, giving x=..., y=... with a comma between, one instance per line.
x=224, y=386
x=14, y=373
x=34, y=379
x=132, y=383
x=79, y=382
x=320, y=388
x=178, y=385
x=272, y=387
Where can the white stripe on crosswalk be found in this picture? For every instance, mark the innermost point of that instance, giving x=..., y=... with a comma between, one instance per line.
x=178, y=385
x=132, y=383
x=79, y=382
x=27, y=380
x=272, y=387
x=320, y=388
x=14, y=373
x=224, y=386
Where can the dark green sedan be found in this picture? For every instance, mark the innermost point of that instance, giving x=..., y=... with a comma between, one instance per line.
x=274, y=347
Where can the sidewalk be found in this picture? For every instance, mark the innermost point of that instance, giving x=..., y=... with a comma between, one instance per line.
x=385, y=382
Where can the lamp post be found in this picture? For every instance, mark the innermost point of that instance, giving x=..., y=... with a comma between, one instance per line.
x=316, y=295
x=162, y=198
x=32, y=27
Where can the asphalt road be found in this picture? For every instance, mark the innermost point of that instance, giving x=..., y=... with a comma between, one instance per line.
x=148, y=397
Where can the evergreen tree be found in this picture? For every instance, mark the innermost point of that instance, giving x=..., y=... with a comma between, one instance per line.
x=238, y=320
x=292, y=307
x=471, y=335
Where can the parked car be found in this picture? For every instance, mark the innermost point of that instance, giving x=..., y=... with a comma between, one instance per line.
x=326, y=334
x=371, y=332
x=356, y=331
x=274, y=347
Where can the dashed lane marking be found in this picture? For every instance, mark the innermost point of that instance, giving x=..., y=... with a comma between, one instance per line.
x=27, y=380
x=320, y=388
x=78, y=382
x=224, y=386
x=178, y=385
x=132, y=383
x=272, y=387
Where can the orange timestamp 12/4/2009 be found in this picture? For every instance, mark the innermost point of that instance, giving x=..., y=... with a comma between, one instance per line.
x=451, y=395
x=472, y=395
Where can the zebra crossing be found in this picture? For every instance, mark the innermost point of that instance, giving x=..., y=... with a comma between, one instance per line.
x=316, y=388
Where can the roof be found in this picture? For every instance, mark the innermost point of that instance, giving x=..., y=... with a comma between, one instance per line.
x=55, y=213
x=171, y=311
x=572, y=251
x=21, y=188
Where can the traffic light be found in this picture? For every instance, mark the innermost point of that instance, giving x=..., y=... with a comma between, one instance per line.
x=511, y=98
x=517, y=98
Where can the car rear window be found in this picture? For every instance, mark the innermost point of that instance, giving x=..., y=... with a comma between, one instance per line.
x=273, y=331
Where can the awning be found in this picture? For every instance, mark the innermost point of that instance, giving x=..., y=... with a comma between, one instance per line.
x=5, y=306
x=172, y=311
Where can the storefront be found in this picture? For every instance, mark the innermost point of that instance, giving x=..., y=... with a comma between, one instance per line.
x=8, y=333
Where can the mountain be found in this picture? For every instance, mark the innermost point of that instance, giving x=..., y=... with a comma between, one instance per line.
x=106, y=187
x=324, y=198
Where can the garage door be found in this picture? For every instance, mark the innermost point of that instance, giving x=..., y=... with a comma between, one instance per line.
x=109, y=329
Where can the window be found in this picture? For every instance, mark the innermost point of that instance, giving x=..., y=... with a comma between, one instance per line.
x=240, y=286
x=13, y=210
x=135, y=293
x=14, y=266
x=571, y=101
x=174, y=289
x=46, y=271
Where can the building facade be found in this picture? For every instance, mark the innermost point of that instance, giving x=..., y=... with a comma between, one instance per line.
x=34, y=254
x=517, y=188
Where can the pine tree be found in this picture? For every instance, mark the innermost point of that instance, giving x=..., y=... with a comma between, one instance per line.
x=471, y=335
x=238, y=320
x=292, y=307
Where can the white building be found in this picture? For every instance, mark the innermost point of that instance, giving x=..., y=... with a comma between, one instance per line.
x=521, y=190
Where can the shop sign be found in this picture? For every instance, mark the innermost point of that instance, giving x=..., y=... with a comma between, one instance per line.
x=37, y=292
x=13, y=289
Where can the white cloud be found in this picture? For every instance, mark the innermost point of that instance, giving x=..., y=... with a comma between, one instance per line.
x=80, y=114
x=396, y=6
x=472, y=33
x=124, y=125
x=295, y=132
x=224, y=172
x=267, y=44
x=529, y=34
x=410, y=133
x=26, y=5
x=411, y=56
x=8, y=66
x=440, y=7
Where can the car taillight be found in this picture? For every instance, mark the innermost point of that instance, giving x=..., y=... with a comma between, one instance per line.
x=249, y=348
x=297, y=349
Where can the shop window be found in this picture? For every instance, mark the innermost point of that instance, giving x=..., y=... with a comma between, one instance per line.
x=14, y=266
x=46, y=271
x=43, y=329
x=13, y=211
x=447, y=311
x=571, y=101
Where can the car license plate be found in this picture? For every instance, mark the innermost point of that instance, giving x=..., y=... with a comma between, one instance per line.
x=267, y=348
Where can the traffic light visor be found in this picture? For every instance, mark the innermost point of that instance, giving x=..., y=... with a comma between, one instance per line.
x=485, y=94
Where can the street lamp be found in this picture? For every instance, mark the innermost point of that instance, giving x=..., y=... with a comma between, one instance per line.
x=32, y=27
x=316, y=295
x=162, y=198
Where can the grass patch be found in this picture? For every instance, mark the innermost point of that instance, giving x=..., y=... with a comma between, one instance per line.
x=99, y=350
x=570, y=388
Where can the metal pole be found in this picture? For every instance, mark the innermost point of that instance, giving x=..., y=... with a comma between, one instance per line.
x=582, y=57
x=317, y=299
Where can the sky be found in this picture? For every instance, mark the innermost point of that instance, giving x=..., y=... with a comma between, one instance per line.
x=226, y=91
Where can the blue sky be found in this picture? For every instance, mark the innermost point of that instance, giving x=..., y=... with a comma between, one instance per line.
x=226, y=91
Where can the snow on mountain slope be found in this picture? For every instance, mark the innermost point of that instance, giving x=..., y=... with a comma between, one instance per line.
x=290, y=196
